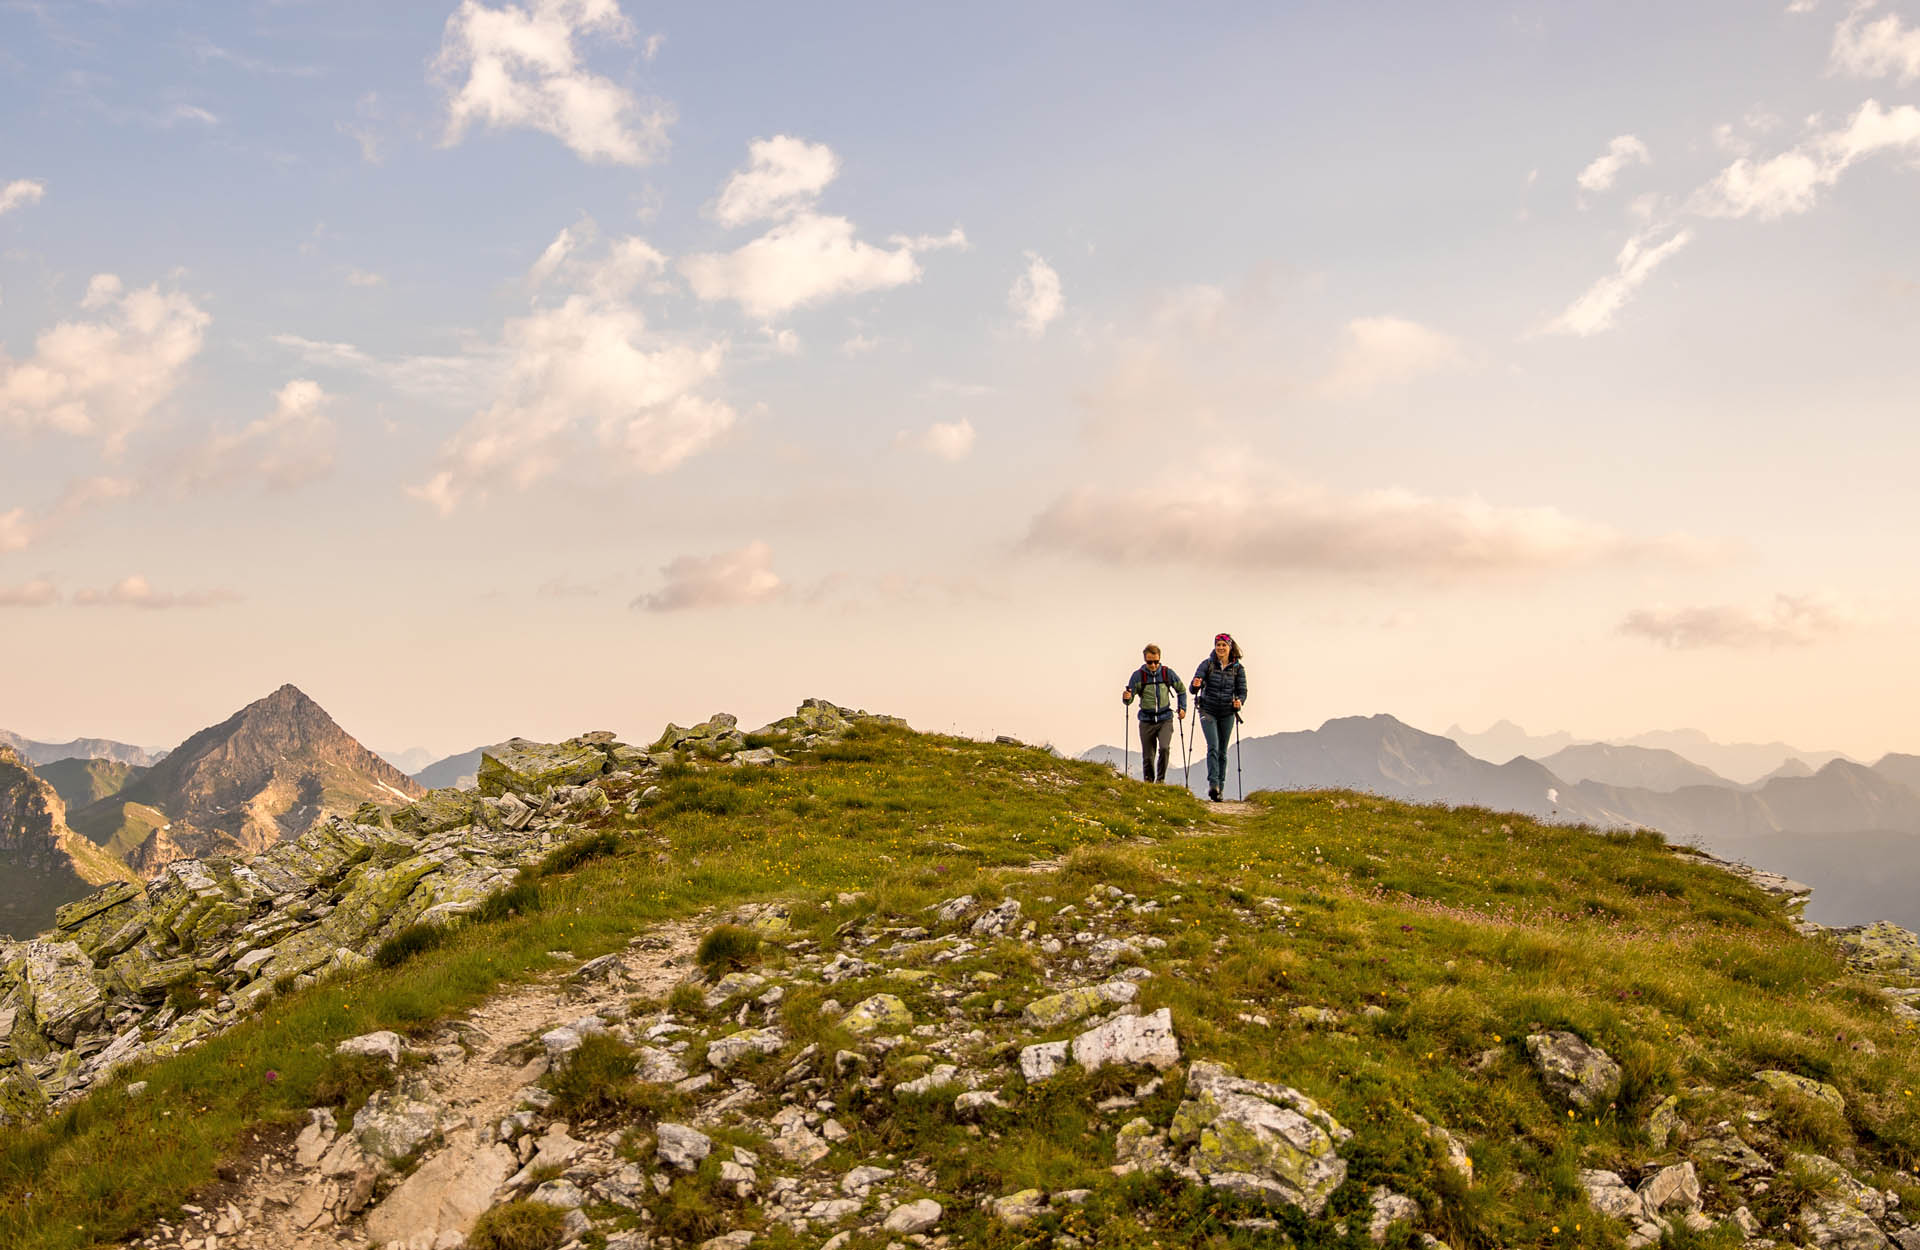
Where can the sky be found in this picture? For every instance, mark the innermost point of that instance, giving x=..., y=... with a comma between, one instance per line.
x=492, y=368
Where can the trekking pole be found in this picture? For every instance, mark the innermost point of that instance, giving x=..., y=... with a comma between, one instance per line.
x=1186, y=757
x=1239, y=779
x=1126, y=744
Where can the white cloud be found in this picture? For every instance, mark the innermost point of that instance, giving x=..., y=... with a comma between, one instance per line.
x=807, y=256
x=364, y=277
x=1790, y=620
x=38, y=593
x=783, y=176
x=289, y=447
x=1624, y=150
x=1036, y=299
x=728, y=579
x=858, y=344
x=519, y=67
x=1595, y=310
x=1883, y=47
x=1802, y=6
x=1249, y=524
x=1791, y=183
x=19, y=193
x=1388, y=351
x=586, y=366
x=802, y=261
x=786, y=342
x=651, y=49
x=949, y=440
x=137, y=592
x=1782, y=186
x=103, y=377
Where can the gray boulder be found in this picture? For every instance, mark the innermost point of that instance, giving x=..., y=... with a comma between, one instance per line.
x=1259, y=1140
x=1581, y=1073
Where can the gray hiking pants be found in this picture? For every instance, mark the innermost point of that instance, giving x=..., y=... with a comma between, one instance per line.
x=1155, y=733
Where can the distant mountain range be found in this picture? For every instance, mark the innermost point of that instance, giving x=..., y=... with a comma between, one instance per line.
x=459, y=772
x=1739, y=762
x=38, y=753
x=1844, y=809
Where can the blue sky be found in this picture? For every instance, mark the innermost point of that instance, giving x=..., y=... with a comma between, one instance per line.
x=497, y=368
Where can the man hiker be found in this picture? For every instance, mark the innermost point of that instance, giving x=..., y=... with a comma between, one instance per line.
x=1220, y=688
x=1158, y=691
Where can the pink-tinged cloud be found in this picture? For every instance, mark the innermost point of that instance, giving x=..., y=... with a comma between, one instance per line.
x=727, y=579
x=38, y=593
x=1301, y=528
x=1789, y=621
x=137, y=592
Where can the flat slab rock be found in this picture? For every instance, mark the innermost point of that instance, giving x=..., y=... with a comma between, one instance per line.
x=1574, y=1068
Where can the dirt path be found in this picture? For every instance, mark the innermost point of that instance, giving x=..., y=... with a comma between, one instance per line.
x=284, y=1198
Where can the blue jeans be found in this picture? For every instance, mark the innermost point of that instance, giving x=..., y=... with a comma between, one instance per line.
x=1219, y=732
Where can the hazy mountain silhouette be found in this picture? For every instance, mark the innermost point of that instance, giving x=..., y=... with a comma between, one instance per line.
x=458, y=771
x=1503, y=740
x=1647, y=768
x=38, y=753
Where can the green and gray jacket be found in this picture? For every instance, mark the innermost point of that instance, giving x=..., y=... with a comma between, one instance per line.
x=1157, y=692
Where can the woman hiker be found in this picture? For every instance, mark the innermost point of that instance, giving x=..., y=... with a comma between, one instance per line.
x=1220, y=689
x=1158, y=689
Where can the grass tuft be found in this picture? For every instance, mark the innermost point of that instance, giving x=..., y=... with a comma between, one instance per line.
x=415, y=939
x=726, y=948
x=571, y=855
x=520, y=1225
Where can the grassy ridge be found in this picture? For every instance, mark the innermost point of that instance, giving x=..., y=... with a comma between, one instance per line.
x=1465, y=929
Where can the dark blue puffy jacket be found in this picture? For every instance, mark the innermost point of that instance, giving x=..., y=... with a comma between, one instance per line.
x=1216, y=686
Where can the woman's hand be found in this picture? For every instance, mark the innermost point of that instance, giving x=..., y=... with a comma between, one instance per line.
x=1236, y=705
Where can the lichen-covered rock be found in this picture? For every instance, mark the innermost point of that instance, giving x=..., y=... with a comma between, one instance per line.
x=725, y=1052
x=436, y=812
x=139, y=974
x=1145, y=1041
x=1725, y=1149
x=881, y=1012
x=1140, y=1146
x=1063, y=1008
x=1883, y=948
x=21, y=1098
x=1831, y=1224
x=1260, y=1140
x=1802, y=1086
x=104, y=917
x=523, y=767
x=1578, y=1071
x=1661, y=1122
x=61, y=989
x=1017, y=1209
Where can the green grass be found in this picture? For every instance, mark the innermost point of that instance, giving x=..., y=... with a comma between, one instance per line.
x=519, y=1225
x=727, y=947
x=1465, y=929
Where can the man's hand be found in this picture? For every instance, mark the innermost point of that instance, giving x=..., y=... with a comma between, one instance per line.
x=1236, y=705
x=1183, y=713
x=1126, y=696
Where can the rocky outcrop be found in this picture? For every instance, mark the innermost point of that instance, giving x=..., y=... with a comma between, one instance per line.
x=1259, y=1140
x=131, y=972
x=1578, y=1071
